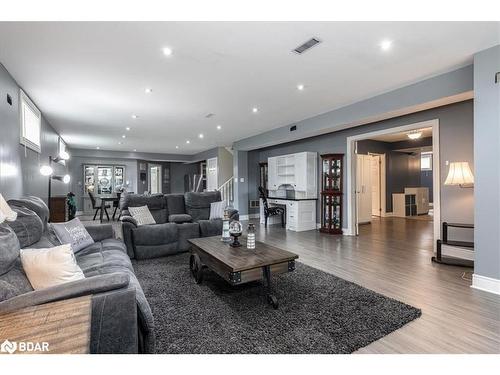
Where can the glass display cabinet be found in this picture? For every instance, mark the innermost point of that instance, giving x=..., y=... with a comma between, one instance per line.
x=331, y=193
x=103, y=179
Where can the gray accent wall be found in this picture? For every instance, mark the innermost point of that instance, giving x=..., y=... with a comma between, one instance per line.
x=20, y=167
x=456, y=144
x=487, y=163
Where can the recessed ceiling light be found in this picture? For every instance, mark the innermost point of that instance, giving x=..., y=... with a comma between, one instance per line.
x=200, y=135
x=119, y=143
x=124, y=136
x=127, y=128
x=98, y=148
x=148, y=90
x=188, y=141
x=300, y=87
x=135, y=117
x=414, y=134
x=255, y=110
x=167, y=51
x=135, y=149
x=386, y=45
x=219, y=127
x=176, y=146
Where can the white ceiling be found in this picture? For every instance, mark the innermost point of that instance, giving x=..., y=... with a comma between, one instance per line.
x=89, y=78
x=403, y=136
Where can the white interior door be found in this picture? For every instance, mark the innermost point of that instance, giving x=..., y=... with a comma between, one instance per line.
x=375, y=184
x=363, y=189
x=155, y=186
x=212, y=172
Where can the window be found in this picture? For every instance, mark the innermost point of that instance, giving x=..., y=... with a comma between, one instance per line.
x=31, y=123
x=426, y=161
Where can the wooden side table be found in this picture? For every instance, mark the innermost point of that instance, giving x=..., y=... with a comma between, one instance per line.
x=63, y=325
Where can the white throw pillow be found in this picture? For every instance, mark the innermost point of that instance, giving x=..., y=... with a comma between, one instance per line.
x=142, y=215
x=49, y=267
x=217, y=210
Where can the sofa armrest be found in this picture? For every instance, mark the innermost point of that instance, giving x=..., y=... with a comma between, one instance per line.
x=128, y=219
x=78, y=288
x=100, y=232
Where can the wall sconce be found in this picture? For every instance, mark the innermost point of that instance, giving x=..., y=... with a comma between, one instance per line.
x=460, y=174
x=47, y=170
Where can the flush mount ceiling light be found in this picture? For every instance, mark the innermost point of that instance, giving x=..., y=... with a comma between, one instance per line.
x=414, y=134
x=255, y=110
x=135, y=117
x=300, y=87
x=386, y=45
x=148, y=90
x=219, y=127
x=167, y=51
x=200, y=135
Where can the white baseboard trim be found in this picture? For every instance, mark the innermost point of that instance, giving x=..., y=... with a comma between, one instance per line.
x=486, y=284
x=249, y=216
x=457, y=252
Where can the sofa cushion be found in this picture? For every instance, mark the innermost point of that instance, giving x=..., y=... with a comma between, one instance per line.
x=7, y=290
x=210, y=228
x=180, y=218
x=15, y=281
x=34, y=204
x=9, y=248
x=155, y=234
x=28, y=226
x=198, y=204
x=109, y=244
x=175, y=204
x=73, y=233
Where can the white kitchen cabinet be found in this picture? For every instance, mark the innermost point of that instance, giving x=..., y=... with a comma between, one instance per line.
x=272, y=174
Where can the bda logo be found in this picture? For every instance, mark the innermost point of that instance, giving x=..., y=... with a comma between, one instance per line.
x=8, y=347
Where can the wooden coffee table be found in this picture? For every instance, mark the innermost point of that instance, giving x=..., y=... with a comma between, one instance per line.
x=240, y=265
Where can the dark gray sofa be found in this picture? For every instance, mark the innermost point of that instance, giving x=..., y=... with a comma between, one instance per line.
x=121, y=320
x=178, y=217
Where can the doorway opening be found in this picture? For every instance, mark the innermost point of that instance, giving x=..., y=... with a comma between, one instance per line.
x=393, y=179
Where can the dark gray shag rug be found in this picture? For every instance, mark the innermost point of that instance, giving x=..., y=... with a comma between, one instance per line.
x=318, y=312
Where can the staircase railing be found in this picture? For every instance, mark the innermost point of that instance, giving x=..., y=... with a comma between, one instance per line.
x=227, y=191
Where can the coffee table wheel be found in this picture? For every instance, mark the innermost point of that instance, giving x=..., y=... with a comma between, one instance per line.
x=273, y=301
x=196, y=268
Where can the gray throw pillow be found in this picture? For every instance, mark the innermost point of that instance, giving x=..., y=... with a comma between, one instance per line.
x=74, y=233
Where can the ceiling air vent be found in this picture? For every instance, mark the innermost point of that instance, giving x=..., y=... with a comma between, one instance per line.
x=307, y=45
x=210, y=115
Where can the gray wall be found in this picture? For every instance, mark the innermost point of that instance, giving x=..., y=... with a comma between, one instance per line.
x=178, y=171
x=225, y=164
x=456, y=135
x=20, y=167
x=487, y=166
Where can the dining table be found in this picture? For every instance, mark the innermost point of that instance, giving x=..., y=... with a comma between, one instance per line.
x=112, y=198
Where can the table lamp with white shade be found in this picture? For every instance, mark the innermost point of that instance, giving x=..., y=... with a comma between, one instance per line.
x=460, y=174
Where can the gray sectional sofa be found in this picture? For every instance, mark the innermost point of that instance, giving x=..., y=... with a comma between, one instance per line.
x=178, y=217
x=121, y=320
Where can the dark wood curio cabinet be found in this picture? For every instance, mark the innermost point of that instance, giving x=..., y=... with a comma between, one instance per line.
x=331, y=193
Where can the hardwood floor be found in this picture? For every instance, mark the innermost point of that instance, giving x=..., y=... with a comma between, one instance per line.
x=392, y=256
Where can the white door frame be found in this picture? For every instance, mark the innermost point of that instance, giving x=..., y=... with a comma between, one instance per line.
x=381, y=172
x=160, y=176
x=436, y=175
